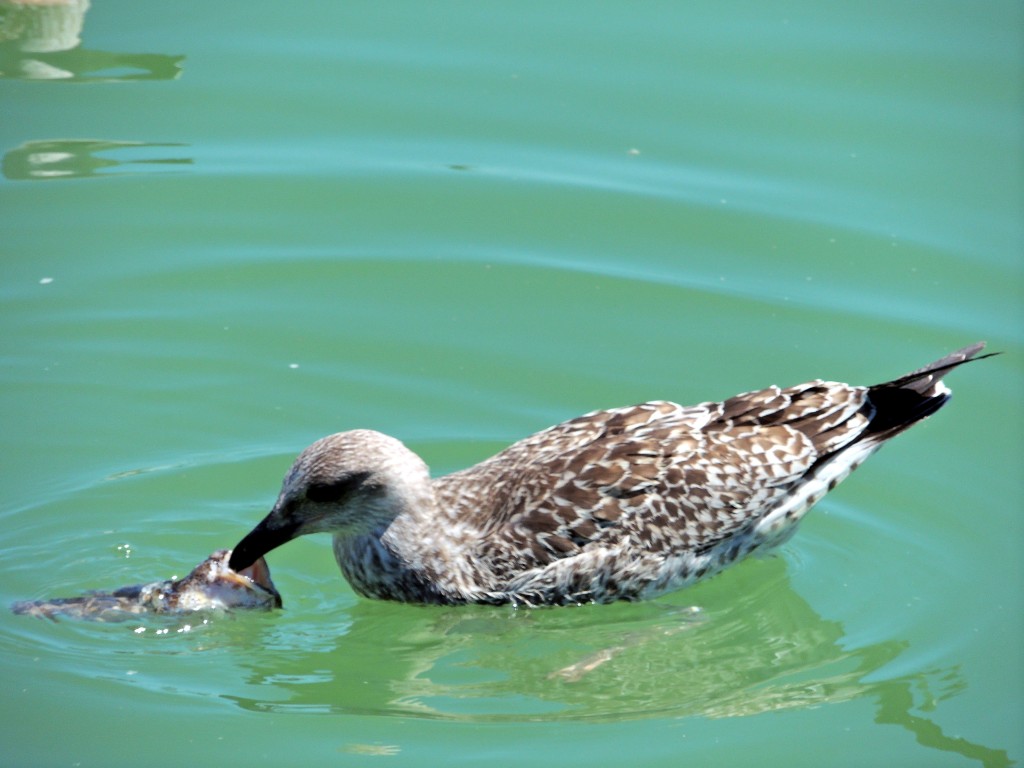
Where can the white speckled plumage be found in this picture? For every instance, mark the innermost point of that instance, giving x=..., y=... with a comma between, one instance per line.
x=626, y=503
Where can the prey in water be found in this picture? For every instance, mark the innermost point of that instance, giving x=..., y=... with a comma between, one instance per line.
x=211, y=586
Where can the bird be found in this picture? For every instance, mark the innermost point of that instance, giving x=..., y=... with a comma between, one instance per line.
x=619, y=504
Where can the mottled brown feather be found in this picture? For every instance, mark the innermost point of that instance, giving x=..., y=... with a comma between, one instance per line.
x=616, y=504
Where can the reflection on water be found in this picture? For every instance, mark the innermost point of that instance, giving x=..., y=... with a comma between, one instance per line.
x=78, y=158
x=764, y=652
x=40, y=40
x=42, y=27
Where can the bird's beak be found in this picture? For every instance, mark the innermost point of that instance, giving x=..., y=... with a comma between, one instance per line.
x=269, y=534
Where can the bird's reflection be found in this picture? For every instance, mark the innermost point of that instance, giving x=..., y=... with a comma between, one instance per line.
x=765, y=651
x=41, y=40
x=79, y=158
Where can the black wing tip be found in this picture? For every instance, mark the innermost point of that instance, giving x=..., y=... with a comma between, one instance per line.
x=925, y=380
x=901, y=403
x=953, y=359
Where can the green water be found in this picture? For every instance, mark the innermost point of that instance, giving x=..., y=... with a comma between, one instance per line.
x=229, y=229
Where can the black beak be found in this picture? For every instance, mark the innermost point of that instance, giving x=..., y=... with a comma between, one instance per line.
x=268, y=535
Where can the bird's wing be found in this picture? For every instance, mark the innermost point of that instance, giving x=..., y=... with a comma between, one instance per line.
x=659, y=477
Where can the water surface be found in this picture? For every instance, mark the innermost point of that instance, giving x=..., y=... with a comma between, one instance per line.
x=231, y=230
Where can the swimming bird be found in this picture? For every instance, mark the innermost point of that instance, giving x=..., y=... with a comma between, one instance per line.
x=620, y=504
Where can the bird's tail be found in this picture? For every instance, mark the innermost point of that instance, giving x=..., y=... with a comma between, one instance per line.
x=902, y=402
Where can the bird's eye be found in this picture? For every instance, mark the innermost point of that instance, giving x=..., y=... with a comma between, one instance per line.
x=336, y=489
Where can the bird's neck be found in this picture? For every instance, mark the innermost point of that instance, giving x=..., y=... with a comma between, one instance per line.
x=420, y=554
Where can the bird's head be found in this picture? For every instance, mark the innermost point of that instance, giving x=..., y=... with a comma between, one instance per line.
x=350, y=483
